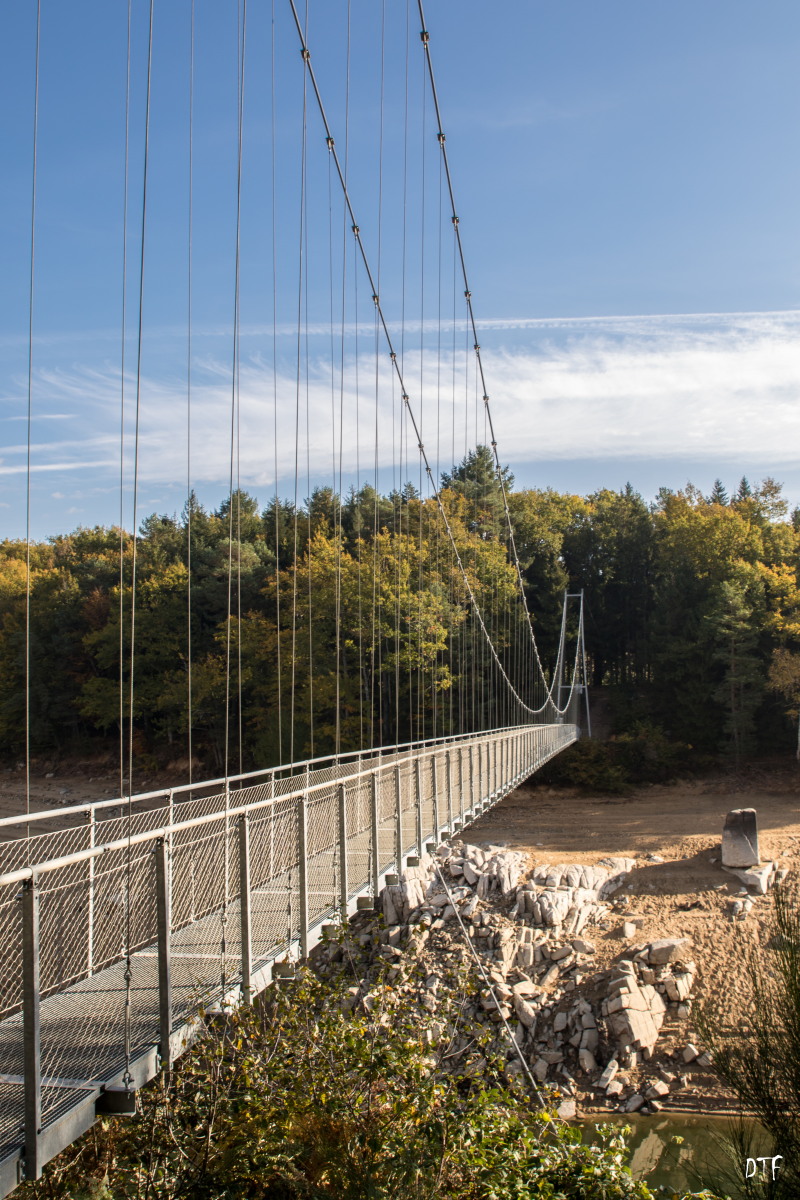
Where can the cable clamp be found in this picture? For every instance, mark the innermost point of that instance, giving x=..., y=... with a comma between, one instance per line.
x=306, y=53
x=405, y=397
x=454, y=219
x=424, y=37
x=392, y=356
x=477, y=351
x=440, y=138
x=494, y=445
x=421, y=447
x=485, y=399
x=467, y=294
x=356, y=230
x=375, y=298
x=329, y=142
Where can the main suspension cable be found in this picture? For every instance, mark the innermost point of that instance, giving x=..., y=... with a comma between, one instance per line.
x=425, y=37
x=309, y=71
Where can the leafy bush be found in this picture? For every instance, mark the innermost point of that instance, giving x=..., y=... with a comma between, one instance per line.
x=587, y=764
x=643, y=754
x=298, y=1098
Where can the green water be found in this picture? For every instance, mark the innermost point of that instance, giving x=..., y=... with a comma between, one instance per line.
x=700, y=1159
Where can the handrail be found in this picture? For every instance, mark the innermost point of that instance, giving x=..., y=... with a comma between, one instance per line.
x=93, y=805
x=151, y=835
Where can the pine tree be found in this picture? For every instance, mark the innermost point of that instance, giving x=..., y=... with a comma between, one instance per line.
x=741, y=686
x=718, y=493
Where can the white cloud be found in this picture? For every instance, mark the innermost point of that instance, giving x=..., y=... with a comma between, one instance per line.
x=707, y=386
x=698, y=390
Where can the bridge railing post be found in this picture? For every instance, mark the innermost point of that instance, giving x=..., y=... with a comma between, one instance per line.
x=398, y=817
x=90, y=895
x=472, y=778
x=163, y=922
x=31, y=1027
x=461, y=783
x=344, y=893
x=374, y=836
x=448, y=767
x=418, y=789
x=435, y=787
x=245, y=916
x=302, y=839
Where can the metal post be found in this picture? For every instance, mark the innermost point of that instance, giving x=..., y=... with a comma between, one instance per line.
x=163, y=920
x=435, y=786
x=480, y=776
x=448, y=759
x=271, y=871
x=90, y=896
x=471, y=779
x=343, y=885
x=398, y=817
x=376, y=864
x=245, y=916
x=418, y=778
x=302, y=838
x=31, y=1029
x=461, y=783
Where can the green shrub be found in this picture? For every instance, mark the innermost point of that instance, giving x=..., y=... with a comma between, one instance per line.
x=587, y=764
x=298, y=1098
x=643, y=754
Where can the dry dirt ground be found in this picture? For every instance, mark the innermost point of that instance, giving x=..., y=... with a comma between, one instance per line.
x=72, y=784
x=687, y=895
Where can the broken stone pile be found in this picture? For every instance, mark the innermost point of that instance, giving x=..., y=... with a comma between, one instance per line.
x=569, y=895
x=579, y=1028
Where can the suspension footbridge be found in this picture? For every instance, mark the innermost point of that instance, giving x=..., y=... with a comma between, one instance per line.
x=403, y=647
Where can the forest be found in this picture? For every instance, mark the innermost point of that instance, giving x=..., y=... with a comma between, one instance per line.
x=260, y=635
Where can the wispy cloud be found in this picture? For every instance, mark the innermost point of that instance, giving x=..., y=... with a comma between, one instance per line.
x=707, y=387
x=714, y=387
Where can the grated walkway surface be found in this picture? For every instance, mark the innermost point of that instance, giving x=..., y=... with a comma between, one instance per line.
x=89, y=907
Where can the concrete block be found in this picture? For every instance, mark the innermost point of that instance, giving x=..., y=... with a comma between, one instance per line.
x=740, y=839
x=758, y=877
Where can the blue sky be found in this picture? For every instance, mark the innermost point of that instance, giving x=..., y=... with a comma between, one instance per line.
x=626, y=179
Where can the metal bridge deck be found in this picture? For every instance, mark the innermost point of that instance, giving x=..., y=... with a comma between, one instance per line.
x=299, y=859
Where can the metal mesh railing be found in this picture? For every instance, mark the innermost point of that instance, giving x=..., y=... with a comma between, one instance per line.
x=132, y=924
